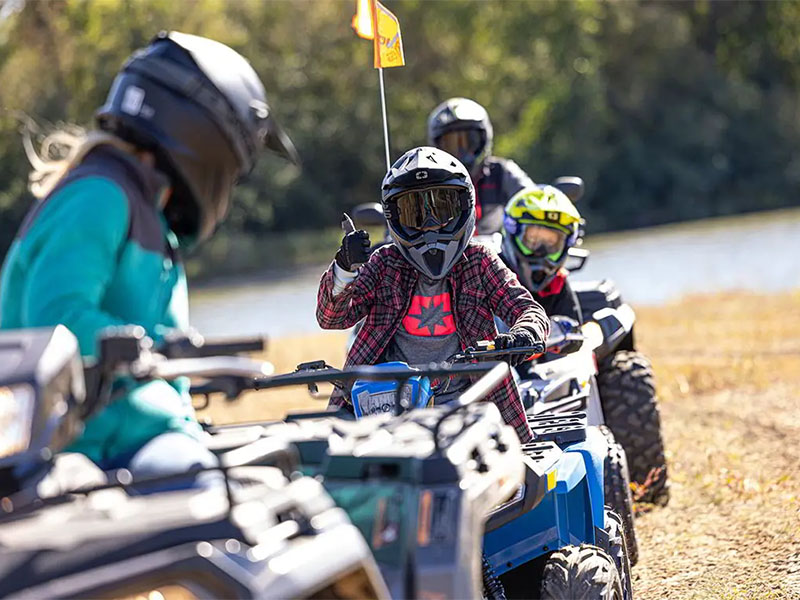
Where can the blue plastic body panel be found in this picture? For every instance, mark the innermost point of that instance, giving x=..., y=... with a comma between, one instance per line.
x=593, y=450
x=568, y=514
x=420, y=396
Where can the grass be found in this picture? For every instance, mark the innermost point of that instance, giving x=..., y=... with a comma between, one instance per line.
x=728, y=376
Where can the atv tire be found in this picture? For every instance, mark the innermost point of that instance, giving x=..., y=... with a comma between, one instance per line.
x=616, y=547
x=627, y=393
x=581, y=572
x=617, y=491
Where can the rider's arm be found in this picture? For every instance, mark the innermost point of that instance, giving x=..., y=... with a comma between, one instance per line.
x=71, y=252
x=341, y=279
x=566, y=303
x=510, y=301
x=342, y=303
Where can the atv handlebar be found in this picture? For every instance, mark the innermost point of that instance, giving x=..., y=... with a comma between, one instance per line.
x=487, y=351
x=233, y=384
x=130, y=352
x=195, y=346
x=127, y=350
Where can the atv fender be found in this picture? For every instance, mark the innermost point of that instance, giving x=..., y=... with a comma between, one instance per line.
x=617, y=326
x=540, y=459
x=592, y=452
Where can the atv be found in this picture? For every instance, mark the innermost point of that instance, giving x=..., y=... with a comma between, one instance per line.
x=626, y=399
x=420, y=484
x=68, y=529
x=625, y=375
x=554, y=524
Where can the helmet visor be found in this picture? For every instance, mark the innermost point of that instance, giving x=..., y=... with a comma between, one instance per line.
x=462, y=143
x=428, y=208
x=541, y=241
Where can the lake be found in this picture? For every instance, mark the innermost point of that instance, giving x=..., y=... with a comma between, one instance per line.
x=757, y=252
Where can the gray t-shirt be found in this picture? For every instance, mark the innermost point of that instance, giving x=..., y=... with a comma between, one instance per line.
x=428, y=334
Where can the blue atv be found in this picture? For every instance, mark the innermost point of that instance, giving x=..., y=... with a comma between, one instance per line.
x=424, y=487
x=554, y=538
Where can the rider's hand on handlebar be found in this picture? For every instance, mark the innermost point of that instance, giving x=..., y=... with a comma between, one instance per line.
x=515, y=339
x=354, y=250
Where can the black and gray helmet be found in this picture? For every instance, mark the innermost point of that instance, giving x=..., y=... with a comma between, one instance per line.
x=429, y=203
x=468, y=124
x=200, y=107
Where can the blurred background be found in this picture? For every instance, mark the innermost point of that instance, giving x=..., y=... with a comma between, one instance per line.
x=670, y=111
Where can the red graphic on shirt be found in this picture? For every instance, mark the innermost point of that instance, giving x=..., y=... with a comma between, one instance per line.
x=430, y=315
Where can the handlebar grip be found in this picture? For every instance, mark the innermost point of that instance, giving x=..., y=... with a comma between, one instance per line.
x=234, y=346
x=197, y=347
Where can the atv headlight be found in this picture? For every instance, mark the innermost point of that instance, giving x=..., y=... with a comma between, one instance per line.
x=16, y=414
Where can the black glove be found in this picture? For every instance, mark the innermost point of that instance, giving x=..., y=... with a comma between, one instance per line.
x=354, y=251
x=515, y=339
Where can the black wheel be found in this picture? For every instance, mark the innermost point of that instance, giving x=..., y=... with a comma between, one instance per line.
x=628, y=396
x=581, y=573
x=615, y=545
x=617, y=490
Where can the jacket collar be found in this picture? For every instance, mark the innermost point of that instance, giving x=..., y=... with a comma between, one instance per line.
x=154, y=183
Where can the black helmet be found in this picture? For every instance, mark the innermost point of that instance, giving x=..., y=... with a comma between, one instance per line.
x=462, y=127
x=429, y=202
x=199, y=106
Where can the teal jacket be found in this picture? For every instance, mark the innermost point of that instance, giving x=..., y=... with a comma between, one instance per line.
x=97, y=252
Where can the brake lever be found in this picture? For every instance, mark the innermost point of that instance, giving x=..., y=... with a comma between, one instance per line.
x=314, y=365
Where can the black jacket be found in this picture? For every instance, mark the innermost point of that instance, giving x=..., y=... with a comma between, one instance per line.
x=563, y=303
x=500, y=179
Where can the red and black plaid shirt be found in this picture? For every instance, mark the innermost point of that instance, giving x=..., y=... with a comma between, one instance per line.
x=481, y=286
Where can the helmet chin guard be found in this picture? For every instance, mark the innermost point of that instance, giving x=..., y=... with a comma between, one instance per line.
x=432, y=251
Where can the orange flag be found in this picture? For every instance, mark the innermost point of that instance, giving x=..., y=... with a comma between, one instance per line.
x=371, y=15
x=362, y=20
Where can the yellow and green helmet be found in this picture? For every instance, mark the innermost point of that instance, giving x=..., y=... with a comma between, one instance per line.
x=541, y=224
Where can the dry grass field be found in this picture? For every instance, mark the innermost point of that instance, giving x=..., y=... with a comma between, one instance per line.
x=728, y=374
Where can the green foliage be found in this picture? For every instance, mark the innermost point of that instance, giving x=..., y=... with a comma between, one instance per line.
x=669, y=111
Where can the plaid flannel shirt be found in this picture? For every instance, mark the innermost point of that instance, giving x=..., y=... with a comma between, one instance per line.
x=481, y=286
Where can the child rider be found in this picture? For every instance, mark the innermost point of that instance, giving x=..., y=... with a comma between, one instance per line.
x=540, y=226
x=432, y=292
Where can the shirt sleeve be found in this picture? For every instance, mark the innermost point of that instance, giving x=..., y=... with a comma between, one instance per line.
x=566, y=304
x=73, y=248
x=341, y=309
x=341, y=279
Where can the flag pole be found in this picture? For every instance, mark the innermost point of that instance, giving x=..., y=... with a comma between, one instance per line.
x=373, y=7
x=385, y=119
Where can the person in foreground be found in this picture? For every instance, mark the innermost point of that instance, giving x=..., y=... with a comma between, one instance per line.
x=432, y=292
x=186, y=117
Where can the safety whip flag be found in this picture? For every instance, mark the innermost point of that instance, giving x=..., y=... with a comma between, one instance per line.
x=370, y=16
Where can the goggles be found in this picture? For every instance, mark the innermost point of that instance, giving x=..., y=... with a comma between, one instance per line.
x=428, y=208
x=462, y=142
x=540, y=241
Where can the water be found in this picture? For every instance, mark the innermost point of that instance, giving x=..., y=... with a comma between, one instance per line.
x=759, y=253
